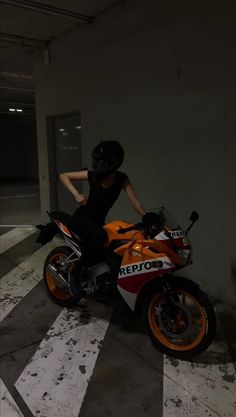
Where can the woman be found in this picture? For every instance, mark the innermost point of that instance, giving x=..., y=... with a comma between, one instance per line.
x=105, y=185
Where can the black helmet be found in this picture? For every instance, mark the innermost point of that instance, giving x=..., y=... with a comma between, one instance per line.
x=107, y=157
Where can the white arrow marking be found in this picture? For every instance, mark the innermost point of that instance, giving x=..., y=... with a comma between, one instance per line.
x=54, y=383
x=15, y=236
x=8, y=406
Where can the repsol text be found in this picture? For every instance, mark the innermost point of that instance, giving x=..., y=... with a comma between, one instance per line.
x=142, y=266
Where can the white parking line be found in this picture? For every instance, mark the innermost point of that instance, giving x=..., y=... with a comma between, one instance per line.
x=10, y=239
x=55, y=381
x=205, y=386
x=22, y=279
x=8, y=406
x=16, y=225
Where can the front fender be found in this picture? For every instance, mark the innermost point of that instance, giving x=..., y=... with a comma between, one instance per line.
x=183, y=281
x=156, y=285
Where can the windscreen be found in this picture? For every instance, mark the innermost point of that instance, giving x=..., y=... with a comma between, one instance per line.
x=166, y=219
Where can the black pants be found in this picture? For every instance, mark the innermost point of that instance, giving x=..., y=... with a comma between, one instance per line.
x=92, y=234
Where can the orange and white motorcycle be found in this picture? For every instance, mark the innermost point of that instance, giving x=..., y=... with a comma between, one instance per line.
x=139, y=260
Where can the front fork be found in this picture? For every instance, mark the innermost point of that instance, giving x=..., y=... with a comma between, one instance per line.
x=171, y=300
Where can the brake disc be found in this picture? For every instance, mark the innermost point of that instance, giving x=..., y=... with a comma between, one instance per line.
x=189, y=330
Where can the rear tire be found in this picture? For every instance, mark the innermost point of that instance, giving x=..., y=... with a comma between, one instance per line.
x=168, y=339
x=61, y=296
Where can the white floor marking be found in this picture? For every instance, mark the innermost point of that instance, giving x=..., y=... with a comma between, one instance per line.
x=204, y=386
x=19, y=281
x=8, y=406
x=15, y=236
x=16, y=225
x=54, y=383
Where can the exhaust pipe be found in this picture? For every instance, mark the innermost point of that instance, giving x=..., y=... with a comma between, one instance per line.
x=60, y=280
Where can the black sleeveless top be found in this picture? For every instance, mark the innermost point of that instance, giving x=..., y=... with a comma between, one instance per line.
x=100, y=199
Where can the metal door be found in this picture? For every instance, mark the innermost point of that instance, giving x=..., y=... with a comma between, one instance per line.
x=64, y=150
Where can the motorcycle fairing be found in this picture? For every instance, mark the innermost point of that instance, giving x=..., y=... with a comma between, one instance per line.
x=137, y=270
x=178, y=236
x=113, y=228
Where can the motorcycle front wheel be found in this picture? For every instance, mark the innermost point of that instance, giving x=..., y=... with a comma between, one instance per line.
x=189, y=331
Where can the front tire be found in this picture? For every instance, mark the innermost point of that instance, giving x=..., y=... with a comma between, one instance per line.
x=60, y=295
x=192, y=330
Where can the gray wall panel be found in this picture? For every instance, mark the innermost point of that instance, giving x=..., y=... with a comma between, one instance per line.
x=163, y=83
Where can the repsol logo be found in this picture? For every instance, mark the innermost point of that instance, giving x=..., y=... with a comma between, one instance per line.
x=177, y=234
x=142, y=266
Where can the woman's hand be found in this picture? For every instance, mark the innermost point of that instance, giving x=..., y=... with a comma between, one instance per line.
x=81, y=199
x=67, y=177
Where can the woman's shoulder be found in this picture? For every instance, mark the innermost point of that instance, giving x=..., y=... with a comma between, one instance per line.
x=122, y=177
x=91, y=176
x=121, y=174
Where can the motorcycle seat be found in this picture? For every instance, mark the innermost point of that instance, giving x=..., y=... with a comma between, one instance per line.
x=62, y=217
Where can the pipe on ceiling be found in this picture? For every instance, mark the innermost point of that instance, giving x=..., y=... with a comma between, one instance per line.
x=22, y=40
x=9, y=103
x=48, y=9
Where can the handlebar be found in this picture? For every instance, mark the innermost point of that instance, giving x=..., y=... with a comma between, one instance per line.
x=150, y=222
x=137, y=226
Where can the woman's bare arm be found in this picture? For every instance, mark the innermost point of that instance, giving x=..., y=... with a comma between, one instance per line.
x=133, y=198
x=67, y=177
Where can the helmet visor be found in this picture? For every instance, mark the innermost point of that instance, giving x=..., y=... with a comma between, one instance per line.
x=101, y=165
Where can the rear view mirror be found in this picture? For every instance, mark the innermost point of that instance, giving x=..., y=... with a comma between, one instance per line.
x=194, y=216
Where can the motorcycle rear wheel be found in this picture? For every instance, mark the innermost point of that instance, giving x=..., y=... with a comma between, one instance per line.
x=60, y=295
x=188, y=335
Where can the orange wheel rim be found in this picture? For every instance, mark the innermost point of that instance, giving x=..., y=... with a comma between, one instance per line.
x=187, y=343
x=60, y=293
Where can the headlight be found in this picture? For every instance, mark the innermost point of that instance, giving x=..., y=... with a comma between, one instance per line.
x=184, y=254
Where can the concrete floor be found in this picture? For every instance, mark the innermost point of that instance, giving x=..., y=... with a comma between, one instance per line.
x=95, y=360
x=19, y=202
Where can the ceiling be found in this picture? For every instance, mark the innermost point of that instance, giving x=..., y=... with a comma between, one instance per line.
x=27, y=27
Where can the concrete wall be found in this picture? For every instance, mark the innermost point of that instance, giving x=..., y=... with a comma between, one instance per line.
x=20, y=157
x=162, y=81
